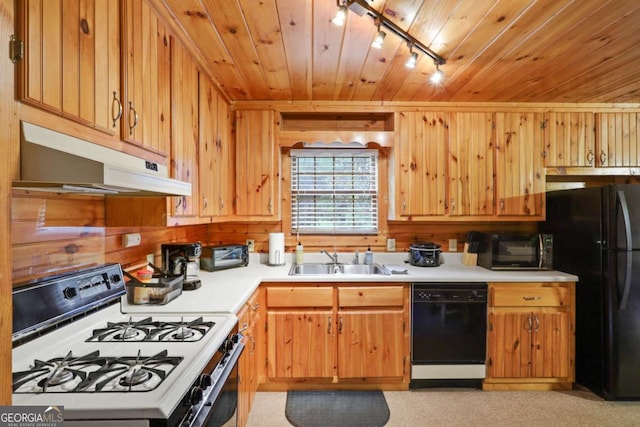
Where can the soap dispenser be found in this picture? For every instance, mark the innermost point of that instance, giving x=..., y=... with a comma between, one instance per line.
x=368, y=256
x=299, y=253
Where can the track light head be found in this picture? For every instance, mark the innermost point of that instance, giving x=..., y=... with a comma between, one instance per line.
x=377, y=42
x=341, y=15
x=437, y=76
x=412, y=61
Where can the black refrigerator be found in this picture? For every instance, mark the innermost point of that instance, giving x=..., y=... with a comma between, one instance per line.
x=597, y=237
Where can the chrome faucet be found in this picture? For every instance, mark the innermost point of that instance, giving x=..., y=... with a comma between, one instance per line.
x=334, y=257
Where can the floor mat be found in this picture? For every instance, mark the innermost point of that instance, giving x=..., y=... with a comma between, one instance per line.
x=337, y=408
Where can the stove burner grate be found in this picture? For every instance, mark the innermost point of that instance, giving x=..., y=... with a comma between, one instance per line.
x=148, y=329
x=93, y=373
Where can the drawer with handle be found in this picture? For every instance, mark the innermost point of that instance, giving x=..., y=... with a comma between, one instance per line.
x=524, y=295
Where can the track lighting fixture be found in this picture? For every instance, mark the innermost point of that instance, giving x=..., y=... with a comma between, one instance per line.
x=361, y=7
x=341, y=15
x=437, y=76
x=413, y=58
x=377, y=42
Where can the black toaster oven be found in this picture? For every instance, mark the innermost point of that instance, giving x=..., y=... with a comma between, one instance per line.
x=216, y=258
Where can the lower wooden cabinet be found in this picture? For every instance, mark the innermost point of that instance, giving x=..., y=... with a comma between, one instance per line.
x=531, y=336
x=249, y=324
x=336, y=334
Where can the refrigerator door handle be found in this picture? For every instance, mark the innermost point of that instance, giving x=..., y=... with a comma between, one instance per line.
x=622, y=201
x=627, y=282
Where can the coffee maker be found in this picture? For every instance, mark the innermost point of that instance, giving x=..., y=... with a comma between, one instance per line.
x=183, y=258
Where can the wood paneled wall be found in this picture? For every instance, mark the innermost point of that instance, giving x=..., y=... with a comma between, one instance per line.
x=53, y=233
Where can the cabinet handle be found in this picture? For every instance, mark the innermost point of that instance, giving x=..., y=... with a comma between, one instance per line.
x=329, y=328
x=116, y=113
x=253, y=344
x=244, y=327
x=206, y=202
x=221, y=204
x=340, y=325
x=537, y=323
x=404, y=205
x=255, y=306
x=603, y=157
x=270, y=206
x=532, y=298
x=590, y=157
x=501, y=205
x=529, y=324
x=135, y=117
x=453, y=205
x=178, y=204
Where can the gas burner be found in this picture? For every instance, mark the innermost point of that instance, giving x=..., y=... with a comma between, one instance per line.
x=124, y=331
x=137, y=373
x=60, y=374
x=189, y=331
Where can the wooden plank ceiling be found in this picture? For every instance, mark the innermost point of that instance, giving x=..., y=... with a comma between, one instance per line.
x=495, y=50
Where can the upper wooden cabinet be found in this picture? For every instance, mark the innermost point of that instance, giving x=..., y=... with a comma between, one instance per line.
x=184, y=129
x=214, y=152
x=570, y=141
x=520, y=174
x=72, y=60
x=257, y=166
x=421, y=148
x=146, y=78
x=471, y=164
x=617, y=139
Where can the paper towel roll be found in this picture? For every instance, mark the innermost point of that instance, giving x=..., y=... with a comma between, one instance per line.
x=276, y=249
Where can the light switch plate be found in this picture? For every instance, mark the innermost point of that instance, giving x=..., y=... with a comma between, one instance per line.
x=391, y=245
x=453, y=245
x=250, y=244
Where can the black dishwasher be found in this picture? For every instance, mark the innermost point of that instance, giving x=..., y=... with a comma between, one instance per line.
x=448, y=334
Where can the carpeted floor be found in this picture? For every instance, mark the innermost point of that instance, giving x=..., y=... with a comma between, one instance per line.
x=469, y=407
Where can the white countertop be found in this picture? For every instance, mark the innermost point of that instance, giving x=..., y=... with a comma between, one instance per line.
x=225, y=291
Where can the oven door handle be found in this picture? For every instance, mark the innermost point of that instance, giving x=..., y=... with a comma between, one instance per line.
x=204, y=407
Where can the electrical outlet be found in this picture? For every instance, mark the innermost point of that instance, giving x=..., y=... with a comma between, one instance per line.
x=391, y=245
x=150, y=259
x=453, y=245
x=131, y=239
x=250, y=244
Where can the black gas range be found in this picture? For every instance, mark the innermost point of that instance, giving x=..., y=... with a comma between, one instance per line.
x=73, y=347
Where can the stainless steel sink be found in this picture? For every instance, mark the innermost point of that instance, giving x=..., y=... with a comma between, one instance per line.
x=310, y=268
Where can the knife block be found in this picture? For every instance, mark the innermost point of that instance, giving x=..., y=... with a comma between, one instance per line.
x=469, y=258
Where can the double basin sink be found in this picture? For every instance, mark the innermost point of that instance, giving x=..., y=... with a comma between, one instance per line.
x=311, y=268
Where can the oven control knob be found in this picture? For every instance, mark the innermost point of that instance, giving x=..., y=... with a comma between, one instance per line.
x=205, y=381
x=116, y=278
x=195, y=395
x=70, y=292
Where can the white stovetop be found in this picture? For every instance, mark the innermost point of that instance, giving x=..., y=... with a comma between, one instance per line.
x=225, y=291
x=158, y=403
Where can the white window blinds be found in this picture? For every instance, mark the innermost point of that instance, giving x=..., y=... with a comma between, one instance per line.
x=334, y=191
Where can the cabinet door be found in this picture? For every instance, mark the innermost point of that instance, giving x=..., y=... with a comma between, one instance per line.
x=421, y=164
x=208, y=129
x=551, y=347
x=370, y=344
x=72, y=66
x=146, y=78
x=301, y=344
x=184, y=129
x=509, y=345
x=244, y=368
x=257, y=165
x=571, y=140
x=471, y=164
x=223, y=162
x=520, y=175
x=617, y=139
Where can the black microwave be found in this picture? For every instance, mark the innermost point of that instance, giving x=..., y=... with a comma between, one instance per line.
x=515, y=251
